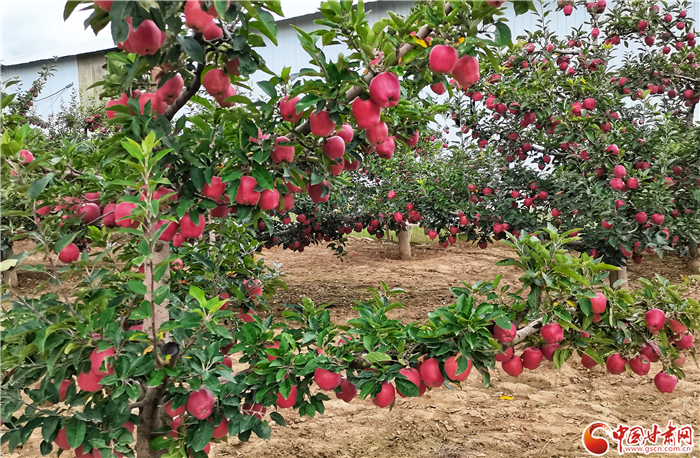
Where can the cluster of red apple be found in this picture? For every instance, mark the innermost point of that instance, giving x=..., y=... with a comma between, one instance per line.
x=444, y=59
x=640, y=363
x=147, y=39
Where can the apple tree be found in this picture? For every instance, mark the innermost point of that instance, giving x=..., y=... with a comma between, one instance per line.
x=119, y=342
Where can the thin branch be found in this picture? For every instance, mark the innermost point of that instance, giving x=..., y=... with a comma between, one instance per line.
x=187, y=94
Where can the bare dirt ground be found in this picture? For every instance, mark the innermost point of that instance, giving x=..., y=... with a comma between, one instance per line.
x=548, y=411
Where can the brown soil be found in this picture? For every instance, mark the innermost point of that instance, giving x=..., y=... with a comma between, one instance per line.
x=545, y=417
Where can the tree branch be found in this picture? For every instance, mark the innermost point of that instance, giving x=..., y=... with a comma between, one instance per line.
x=187, y=94
x=524, y=333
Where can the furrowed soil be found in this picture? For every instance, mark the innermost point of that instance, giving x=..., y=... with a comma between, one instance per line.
x=541, y=413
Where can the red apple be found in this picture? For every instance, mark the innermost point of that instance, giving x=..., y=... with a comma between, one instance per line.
x=90, y=381
x=327, y=380
x=552, y=332
x=171, y=89
x=216, y=82
x=191, y=229
x=122, y=210
x=69, y=253
x=215, y=189
x=598, y=303
x=385, y=89
x=348, y=391
x=316, y=192
x=221, y=430
x=280, y=153
x=513, y=366
x=655, y=320
x=615, y=364
x=170, y=231
x=452, y=366
x=386, y=396
x=62, y=439
x=665, y=382
x=430, y=373
x=412, y=375
x=531, y=358
x=365, y=112
x=386, y=149
x=442, y=58
x=549, y=350
x=334, y=147
x=285, y=403
x=176, y=412
x=587, y=361
x=200, y=403
x=157, y=104
x=505, y=356
x=246, y=194
x=466, y=71
x=640, y=365
x=145, y=40
x=504, y=335
x=321, y=124
x=269, y=199
x=25, y=156
x=288, y=109
x=377, y=133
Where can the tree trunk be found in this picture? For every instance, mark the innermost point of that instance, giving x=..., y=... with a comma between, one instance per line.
x=160, y=314
x=404, y=243
x=616, y=275
x=150, y=420
x=694, y=264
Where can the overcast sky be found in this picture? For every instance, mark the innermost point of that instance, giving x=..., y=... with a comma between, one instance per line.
x=31, y=28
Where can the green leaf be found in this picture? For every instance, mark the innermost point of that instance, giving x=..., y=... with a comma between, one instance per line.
x=585, y=304
x=590, y=352
x=563, y=314
x=503, y=37
x=221, y=6
x=266, y=25
x=155, y=378
x=307, y=101
x=75, y=432
x=375, y=357
x=192, y=48
x=38, y=186
x=503, y=322
x=198, y=294
x=70, y=7
x=64, y=242
x=522, y=6
x=277, y=418
x=263, y=177
x=406, y=387
x=269, y=88
x=50, y=427
x=199, y=436
x=137, y=287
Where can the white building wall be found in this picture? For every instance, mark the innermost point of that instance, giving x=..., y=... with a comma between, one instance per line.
x=56, y=89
